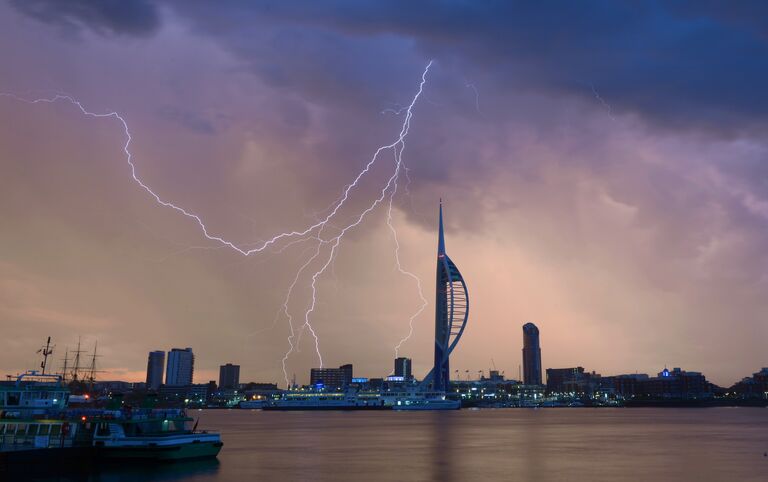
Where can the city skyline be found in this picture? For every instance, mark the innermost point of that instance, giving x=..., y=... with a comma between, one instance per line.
x=629, y=227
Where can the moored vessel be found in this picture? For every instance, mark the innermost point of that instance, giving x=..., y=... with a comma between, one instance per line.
x=151, y=435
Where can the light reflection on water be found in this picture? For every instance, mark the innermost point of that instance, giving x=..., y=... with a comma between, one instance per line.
x=576, y=444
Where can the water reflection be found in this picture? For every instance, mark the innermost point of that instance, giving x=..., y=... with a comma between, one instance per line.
x=124, y=472
x=589, y=445
x=443, y=445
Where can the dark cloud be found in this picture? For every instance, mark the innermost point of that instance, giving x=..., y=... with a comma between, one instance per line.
x=678, y=64
x=131, y=17
x=675, y=64
x=190, y=120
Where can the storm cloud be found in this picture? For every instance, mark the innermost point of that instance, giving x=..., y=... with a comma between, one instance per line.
x=603, y=166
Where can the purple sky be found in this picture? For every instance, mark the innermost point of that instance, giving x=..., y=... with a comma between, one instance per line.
x=603, y=168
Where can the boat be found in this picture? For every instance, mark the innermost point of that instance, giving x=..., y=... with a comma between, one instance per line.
x=150, y=434
x=35, y=431
x=425, y=401
x=324, y=400
x=416, y=398
x=39, y=427
x=252, y=404
x=406, y=399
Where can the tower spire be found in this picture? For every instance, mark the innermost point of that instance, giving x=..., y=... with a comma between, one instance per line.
x=451, y=313
x=441, y=235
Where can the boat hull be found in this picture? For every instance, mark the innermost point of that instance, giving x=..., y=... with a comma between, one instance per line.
x=429, y=405
x=172, y=452
x=20, y=464
x=311, y=408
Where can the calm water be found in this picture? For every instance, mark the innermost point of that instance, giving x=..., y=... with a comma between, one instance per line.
x=714, y=444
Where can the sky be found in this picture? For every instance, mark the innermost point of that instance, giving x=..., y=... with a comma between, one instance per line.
x=603, y=168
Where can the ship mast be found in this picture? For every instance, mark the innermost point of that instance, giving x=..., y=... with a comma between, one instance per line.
x=76, y=368
x=92, y=369
x=46, y=350
x=66, y=362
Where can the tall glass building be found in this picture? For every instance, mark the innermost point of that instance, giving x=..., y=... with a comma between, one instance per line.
x=155, y=367
x=531, y=355
x=181, y=367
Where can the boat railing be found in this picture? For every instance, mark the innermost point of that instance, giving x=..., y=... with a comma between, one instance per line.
x=36, y=378
x=11, y=442
x=126, y=414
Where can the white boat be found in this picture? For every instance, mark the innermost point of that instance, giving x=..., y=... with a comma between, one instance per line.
x=322, y=400
x=415, y=398
x=151, y=435
x=32, y=413
x=428, y=401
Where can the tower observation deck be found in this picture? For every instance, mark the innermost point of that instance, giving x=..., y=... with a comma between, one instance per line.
x=451, y=313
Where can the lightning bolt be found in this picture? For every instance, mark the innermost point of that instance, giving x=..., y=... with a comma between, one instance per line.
x=603, y=102
x=404, y=272
x=472, y=86
x=331, y=244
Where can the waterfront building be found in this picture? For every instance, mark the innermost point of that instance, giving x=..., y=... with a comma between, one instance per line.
x=531, y=355
x=451, y=313
x=754, y=387
x=572, y=380
x=180, y=368
x=229, y=376
x=626, y=386
x=331, y=378
x=195, y=394
x=155, y=367
x=212, y=387
x=254, y=391
x=497, y=392
x=493, y=376
x=106, y=387
x=403, y=368
x=677, y=384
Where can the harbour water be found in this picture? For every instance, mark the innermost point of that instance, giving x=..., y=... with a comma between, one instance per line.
x=568, y=444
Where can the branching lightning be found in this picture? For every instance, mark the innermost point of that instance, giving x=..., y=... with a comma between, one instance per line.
x=400, y=268
x=326, y=248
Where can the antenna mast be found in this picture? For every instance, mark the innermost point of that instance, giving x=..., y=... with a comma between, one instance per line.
x=46, y=350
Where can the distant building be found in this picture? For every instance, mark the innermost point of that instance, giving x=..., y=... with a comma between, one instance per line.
x=229, y=376
x=180, y=368
x=106, y=387
x=211, y=389
x=494, y=376
x=403, y=368
x=331, y=378
x=572, y=380
x=627, y=386
x=254, y=390
x=531, y=355
x=260, y=386
x=676, y=384
x=155, y=367
x=188, y=393
x=754, y=387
